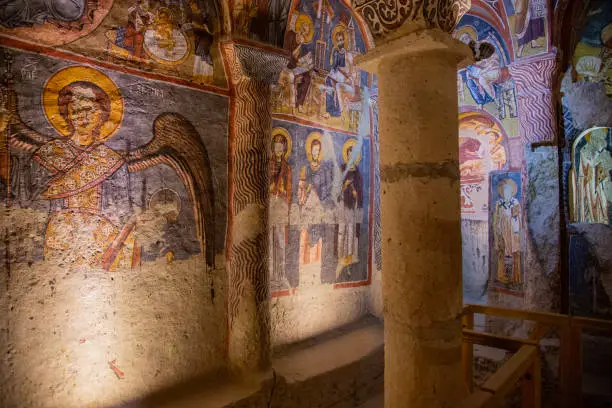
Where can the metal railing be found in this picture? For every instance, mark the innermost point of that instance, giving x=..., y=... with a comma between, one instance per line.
x=524, y=367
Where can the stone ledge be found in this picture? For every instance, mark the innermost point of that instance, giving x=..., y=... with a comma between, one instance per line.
x=342, y=368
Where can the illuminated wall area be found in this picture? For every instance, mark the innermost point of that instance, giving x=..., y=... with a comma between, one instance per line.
x=110, y=241
x=116, y=183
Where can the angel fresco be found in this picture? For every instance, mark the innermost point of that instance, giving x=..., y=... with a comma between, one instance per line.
x=86, y=109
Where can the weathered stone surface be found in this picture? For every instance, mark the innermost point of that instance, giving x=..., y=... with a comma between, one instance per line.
x=543, y=222
x=587, y=103
x=475, y=266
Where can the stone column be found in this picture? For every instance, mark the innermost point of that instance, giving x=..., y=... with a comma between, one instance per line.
x=251, y=72
x=535, y=80
x=421, y=232
x=416, y=62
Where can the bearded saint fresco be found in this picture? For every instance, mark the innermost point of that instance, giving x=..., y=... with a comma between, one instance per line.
x=351, y=197
x=506, y=226
x=85, y=226
x=315, y=201
x=297, y=78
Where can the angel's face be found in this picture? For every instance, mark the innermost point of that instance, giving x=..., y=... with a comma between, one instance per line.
x=85, y=115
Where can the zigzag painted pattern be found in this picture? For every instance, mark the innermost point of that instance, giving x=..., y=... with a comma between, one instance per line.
x=245, y=270
x=537, y=112
x=537, y=117
x=250, y=131
x=252, y=119
x=377, y=236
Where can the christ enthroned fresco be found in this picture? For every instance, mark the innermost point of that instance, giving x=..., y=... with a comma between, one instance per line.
x=78, y=175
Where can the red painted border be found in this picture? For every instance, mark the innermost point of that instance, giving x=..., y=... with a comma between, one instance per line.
x=282, y=293
x=285, y=117
x=508, y=291
x=14, y=43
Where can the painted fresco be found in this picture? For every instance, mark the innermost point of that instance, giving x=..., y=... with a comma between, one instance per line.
x=123, y=178
x=486, y=83
x=528, y=26
x=483, y=147
x=171, y=38
x=593, y=55
x=261, y=20
x=591, y=177
x=321, y=82
x=52, y=22
x=506, y=232
x=319, y=207
x=488, y=142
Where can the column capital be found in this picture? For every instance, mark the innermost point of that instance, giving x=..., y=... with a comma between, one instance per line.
x=247, y=61
x=413, y=44
x=392, y=18
x=535, y=80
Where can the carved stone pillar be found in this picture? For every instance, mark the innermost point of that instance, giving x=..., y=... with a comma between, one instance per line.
x=251, y=72
x=534, y=79
x=421, y=233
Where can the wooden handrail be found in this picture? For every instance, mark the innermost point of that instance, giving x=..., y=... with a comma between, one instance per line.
x=496, y=341
x=495, y=389
x=525, y=364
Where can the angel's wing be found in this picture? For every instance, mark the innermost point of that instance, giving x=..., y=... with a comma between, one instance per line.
x=22, y=137
x=177, y=143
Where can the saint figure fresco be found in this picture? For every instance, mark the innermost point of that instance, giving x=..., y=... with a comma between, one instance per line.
x=591, y=177
x=294, y=82
x=592, y=56
x=487, y=79
x=506, y=225
x=351, y=199
x=528, y=23
x=86, y=225
x=280, y=206
x=315, y=201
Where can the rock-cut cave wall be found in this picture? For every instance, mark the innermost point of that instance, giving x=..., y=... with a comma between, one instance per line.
x=115, y=179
